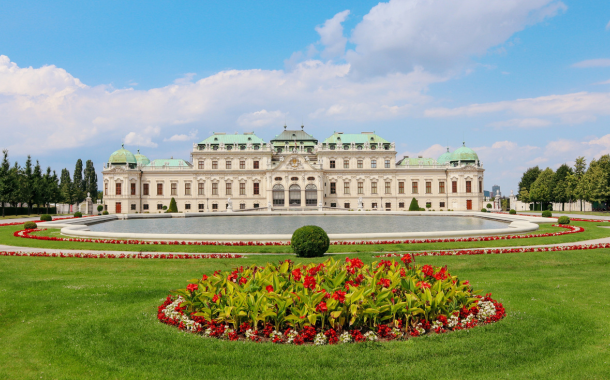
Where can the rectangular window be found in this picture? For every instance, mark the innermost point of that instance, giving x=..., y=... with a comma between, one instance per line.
x=174, y=188
x=454, y=186
x=187, y=206
x=388, y=206
x=401, y=187
x=346, y=205
x=242, y=206
x=187, y=188
x=118, y=188
x=159, y=189
x=388, y=188
x=374, y=164
x=480, y=186
x=428, y=187
x=227, y=164
x=256, y=205
x=200, y=164
x=346, y=188
x=359, y=164
x=105, y=189
x=228, y=188
x=401, y=204
x=387, y=164
x=333, y=205
x=200, y=189
x=242, y=164
x=256, y=189
x=373, y=205
x=159, y=206
x=360, y=187
x=145, y=206
x=469, y=186
x=133, y=207
x=373, y=187
x=133, y=190
x=441, y=187
x=255, y=164
x=442, y=204
x=145, y=190
x=332, y=164
x=414, y=189
x=333, y=188
x=215, y=207
x=200, y=206
x=214, y=164
x=214, y=189
x=242, y=189
x=345, y=164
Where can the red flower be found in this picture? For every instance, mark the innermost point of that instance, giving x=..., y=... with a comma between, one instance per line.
x=310, y=282
x=204, y=278
x=297, y=274
x=385, y=282
x=243, y=280
x=269, y=288
x=321, y=308
x=428, y=270
x=215, y=298
x=192, y=287
x=339, y=296
x=407, y=259
x=423, y=285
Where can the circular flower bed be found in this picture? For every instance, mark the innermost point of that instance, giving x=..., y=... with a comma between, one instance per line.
x=328, y=303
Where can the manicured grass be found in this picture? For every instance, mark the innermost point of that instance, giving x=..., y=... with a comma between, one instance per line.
x=592, y=231
x=85, y=318
x=593, y=213
x=7, y=217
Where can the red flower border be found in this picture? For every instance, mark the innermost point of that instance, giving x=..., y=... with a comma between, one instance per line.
x=137, y=255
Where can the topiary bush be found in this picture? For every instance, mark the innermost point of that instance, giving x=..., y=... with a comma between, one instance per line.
x=46, y=217
x=512, y=212
x=100, y=208
x=547, y=214
x=414, y=206
x=310, y=241
x=483, y=210
x=78, y=215
x=488, y=205
x=104, y=212
x=563, y=220
x=172, y=206
x=29, y=225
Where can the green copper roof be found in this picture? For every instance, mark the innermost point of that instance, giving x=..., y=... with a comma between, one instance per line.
x=291, y=135
x=233, y=139
x=356, y=138
x=416, y=161
x=122, y=156
x=169, y=162
x=444, y=158
x=142, y=159
x=464, y=154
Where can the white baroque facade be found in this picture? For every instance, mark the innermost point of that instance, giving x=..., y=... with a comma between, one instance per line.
x=293, y=172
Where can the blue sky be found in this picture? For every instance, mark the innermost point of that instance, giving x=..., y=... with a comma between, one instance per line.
x=524, y=82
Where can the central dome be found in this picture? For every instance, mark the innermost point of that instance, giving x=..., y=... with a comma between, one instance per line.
x=464, y=154
x=122, y=156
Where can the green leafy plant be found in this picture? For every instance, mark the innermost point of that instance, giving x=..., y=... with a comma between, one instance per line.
x=547, y=214
x=563, y=220
x=414, y=206
x=483, y=209
x=488, y=205
x=105, y=213
x=512, y=212
x=172, y=206
x=100, y=208
x=78, y=214
x=46, y=217
x=29, y=225
x=310, y=241
x=164, y=207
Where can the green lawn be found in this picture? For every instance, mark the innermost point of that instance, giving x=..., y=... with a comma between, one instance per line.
x=592, y=231
x=593, y=213
x=84, y=318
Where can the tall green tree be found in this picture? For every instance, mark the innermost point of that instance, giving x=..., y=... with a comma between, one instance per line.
x=560, y=189
x=78, y=183
x=39, y=185
x=54, y=190
x=16, y=196
x=580, y=190
x=90, y=180
x=528, y=178
x=27, y=184
x=67, y=187
x=542, y=189
x=7, y=181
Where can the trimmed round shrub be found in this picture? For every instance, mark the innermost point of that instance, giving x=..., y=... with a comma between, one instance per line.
x=105, y=213
x=488, y=205
x=310, y=241
x=78, y=215
x=100, y=208
x=46, y=217
x=563, y=220
x=164, y=207
x=483, y=210
x=547, y=214
x=29, y=225
x=512, y=212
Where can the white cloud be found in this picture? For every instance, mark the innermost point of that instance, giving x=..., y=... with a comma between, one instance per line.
x=400, y=34
x=261, y=118
x=604, y=82
x=600, y=62
x=432, y=152
x=143, y=138
x=521, y=123
x=331, y=36
x=182, y=137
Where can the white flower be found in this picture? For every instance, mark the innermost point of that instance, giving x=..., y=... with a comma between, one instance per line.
x=437, y=324
x=371, y=336
x=250, y=333
x=420, y=329
x=291, y=335
x=170, y=312
x=320, y=339
x=453, y=321
x=274, y=334
x=345, y=337
x=486, y=310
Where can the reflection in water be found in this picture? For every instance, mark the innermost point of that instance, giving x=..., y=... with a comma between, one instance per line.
x=287, y=224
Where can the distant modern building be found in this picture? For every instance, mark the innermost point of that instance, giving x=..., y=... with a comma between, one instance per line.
x=494, y=190
x=294, y=171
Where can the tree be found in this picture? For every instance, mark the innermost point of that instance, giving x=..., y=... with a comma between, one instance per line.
x=38, y=184
x=560, y=189
x=580, y=166
x=90, y=180
x=414, y=206
x=44, y=194
x=524, y=196
x=78, y=183
x=27, y=184
x=67, y=187
x=54, y=190
x=7, y=181
x=528, y=178
x=15, y=196
x=542, y=189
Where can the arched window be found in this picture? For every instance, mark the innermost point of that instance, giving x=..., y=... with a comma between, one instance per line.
x=278, y=195
x=295, y=195
x=311, y=195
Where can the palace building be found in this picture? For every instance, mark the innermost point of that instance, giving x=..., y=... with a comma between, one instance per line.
x=293, y=172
